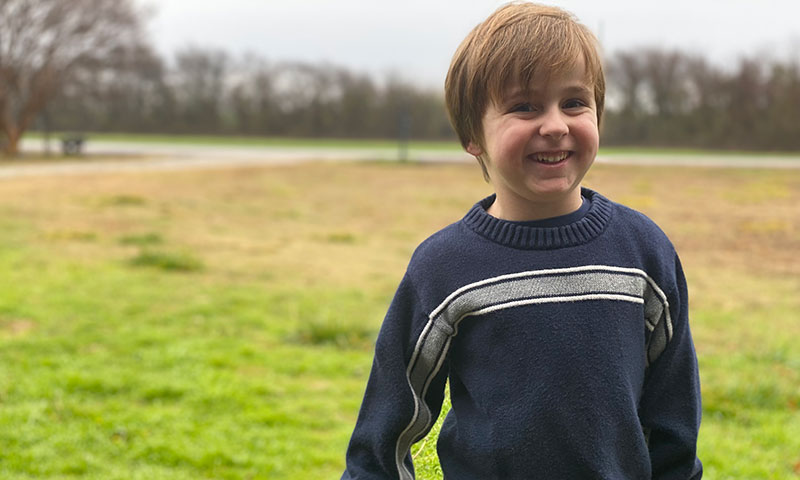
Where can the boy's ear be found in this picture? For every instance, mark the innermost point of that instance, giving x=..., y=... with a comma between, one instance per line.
x=473, y=149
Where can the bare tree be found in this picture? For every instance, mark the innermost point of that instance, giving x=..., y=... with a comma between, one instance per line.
x=199, y=82
x=664, y=71
x=250, y=98
x=45, y=43
x=707, y=97
x=783, y=120
x=626, y=74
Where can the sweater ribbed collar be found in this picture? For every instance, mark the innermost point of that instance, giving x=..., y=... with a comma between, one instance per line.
x=523, y=236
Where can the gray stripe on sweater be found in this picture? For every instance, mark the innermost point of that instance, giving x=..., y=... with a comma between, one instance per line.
x=586, y=283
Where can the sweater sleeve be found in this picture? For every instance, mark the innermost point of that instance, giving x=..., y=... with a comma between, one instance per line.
x=670, y=407
x=394, y=414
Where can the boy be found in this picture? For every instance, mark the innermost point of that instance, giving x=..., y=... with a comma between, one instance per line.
x=558, y=316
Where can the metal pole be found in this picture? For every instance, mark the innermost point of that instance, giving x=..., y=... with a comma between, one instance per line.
x=46, y=128
x=403, y=134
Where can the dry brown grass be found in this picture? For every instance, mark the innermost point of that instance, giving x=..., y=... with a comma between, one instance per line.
x=354, y=224
x=728, y=211
x=733, y=217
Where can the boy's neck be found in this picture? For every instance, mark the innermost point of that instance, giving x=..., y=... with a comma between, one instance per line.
x=523, y=210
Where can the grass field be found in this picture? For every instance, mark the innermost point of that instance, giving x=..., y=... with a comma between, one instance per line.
x=219, y=325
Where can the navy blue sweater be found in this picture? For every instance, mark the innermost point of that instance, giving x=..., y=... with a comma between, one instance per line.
x=567, y=348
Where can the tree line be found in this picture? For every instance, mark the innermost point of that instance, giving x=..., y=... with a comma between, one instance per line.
x=672, y=98
x=86, y=66
x=206, y=91
x=656, y=97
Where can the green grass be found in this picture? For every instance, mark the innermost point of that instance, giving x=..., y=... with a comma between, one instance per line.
x=114, y=373
x=253, y=366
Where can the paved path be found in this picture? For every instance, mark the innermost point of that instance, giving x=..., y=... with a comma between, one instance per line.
x=135, y=156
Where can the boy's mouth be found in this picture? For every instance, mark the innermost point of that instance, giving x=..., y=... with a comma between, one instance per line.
x=549, y=158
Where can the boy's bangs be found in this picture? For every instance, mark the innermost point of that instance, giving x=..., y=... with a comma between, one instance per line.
x=552, y=52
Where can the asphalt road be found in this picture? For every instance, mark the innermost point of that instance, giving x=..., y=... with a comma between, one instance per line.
x=139, y=156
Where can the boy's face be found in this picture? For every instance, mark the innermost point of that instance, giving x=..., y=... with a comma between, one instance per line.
x=539, y=146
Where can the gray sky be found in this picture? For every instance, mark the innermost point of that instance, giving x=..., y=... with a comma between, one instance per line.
x=416, y=38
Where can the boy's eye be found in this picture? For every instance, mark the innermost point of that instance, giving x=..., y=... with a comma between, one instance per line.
x=574, y=103
x=522, y=108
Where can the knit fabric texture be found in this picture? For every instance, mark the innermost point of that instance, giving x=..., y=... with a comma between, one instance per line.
x=566, y=345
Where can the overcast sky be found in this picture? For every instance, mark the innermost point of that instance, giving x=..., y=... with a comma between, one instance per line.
x=416, y=38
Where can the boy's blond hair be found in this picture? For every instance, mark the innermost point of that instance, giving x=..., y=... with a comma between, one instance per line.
x=519, y=44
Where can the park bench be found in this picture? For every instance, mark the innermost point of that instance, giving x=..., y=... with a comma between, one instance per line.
x=72, y=144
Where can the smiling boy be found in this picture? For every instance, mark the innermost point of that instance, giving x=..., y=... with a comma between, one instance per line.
x=559, y=318
x=538, y=146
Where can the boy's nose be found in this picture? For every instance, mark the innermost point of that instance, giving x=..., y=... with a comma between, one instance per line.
x=553, y=125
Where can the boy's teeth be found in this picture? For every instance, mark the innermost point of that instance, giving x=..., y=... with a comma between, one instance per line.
x=550, y=158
